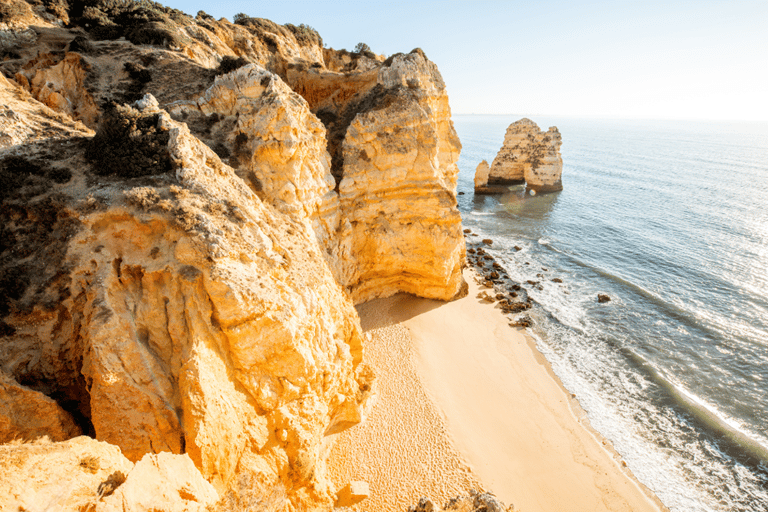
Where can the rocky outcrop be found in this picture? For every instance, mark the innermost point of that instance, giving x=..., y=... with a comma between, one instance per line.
x=164, y=482
x=26, y=122
x=393, y=225
x=184, y=283
x=272, y=140
x=482, y=173
x=122, y=51
x=84, y=474
x=401, y=228
x=27, y=415
x=475, y=502
x=531, y=156
x=180, y=313
x=60, y=84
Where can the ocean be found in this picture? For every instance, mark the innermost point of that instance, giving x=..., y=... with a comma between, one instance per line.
x=670, y=219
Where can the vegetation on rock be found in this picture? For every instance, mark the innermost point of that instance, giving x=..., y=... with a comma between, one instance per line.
x=129, y=144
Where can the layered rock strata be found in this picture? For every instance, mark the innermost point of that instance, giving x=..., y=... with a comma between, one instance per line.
x=401, y=226
x=117, y=52
x=393, y=224
x=179, y=312
x=531, y=156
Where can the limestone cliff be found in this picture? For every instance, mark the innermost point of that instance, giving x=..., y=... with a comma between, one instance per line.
x=116, y=52
x=531, y=156
x=401, y=226
x=393, y=224
x=171, y=310
x=179, y=276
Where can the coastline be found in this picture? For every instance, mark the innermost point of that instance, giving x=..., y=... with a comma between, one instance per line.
x=500, y=406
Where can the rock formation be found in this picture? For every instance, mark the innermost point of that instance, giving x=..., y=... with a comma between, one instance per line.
x=84, y=474
x=401, y=228
x=26, y=414
x=177, y=278
x=482, y=174
x=475, y=502
x=393, y=225
x=180, y=313
x=176, y=58
x=531, y=156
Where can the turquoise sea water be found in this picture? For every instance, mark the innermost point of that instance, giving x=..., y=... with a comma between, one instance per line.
x=670, y=219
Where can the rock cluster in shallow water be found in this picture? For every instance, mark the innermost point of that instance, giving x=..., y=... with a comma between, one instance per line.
x=528, y=156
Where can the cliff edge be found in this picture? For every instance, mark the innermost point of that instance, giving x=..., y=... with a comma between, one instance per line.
x=190, y=210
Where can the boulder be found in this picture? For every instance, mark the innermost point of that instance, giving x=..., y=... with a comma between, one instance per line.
x=352, y=494
x=26, y=414
x=69, y=475
x=85, y=474
x=161, y=482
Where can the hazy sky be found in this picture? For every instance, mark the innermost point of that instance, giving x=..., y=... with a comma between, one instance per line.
x=642, y=59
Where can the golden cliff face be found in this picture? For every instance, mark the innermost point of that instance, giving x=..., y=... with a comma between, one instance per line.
x=531, y=156
x=272, y=140
x=187, y=286
x=393, y=225
x=195, y=319
x=402, y=228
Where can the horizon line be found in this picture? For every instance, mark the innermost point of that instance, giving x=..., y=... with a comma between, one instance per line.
x=619, y=117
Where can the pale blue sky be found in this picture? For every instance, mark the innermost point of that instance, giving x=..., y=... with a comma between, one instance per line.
x=641, y=59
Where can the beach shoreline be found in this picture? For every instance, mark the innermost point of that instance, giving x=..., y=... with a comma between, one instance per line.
x=499, y=417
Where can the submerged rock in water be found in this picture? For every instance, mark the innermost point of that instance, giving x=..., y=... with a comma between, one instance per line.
x=602, y=298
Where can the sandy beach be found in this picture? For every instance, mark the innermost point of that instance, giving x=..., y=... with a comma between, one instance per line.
x=465, y=401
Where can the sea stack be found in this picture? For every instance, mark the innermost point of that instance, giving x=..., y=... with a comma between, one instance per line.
x=529, y=156
x=482, y=173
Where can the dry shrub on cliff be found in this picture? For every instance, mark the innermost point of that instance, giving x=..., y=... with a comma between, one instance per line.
x=90, y=463
x=229, y=63
x=129, y=144
x=111, y=484
x=139, y=21
x=305, y=35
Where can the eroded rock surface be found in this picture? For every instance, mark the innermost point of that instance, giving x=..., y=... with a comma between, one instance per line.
x=531, y=156
x=272, y=140
x=27, y=415
x=186, y=286
x=84, y=474
x=394, y=224
x=184, y=315
x=401, y=228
